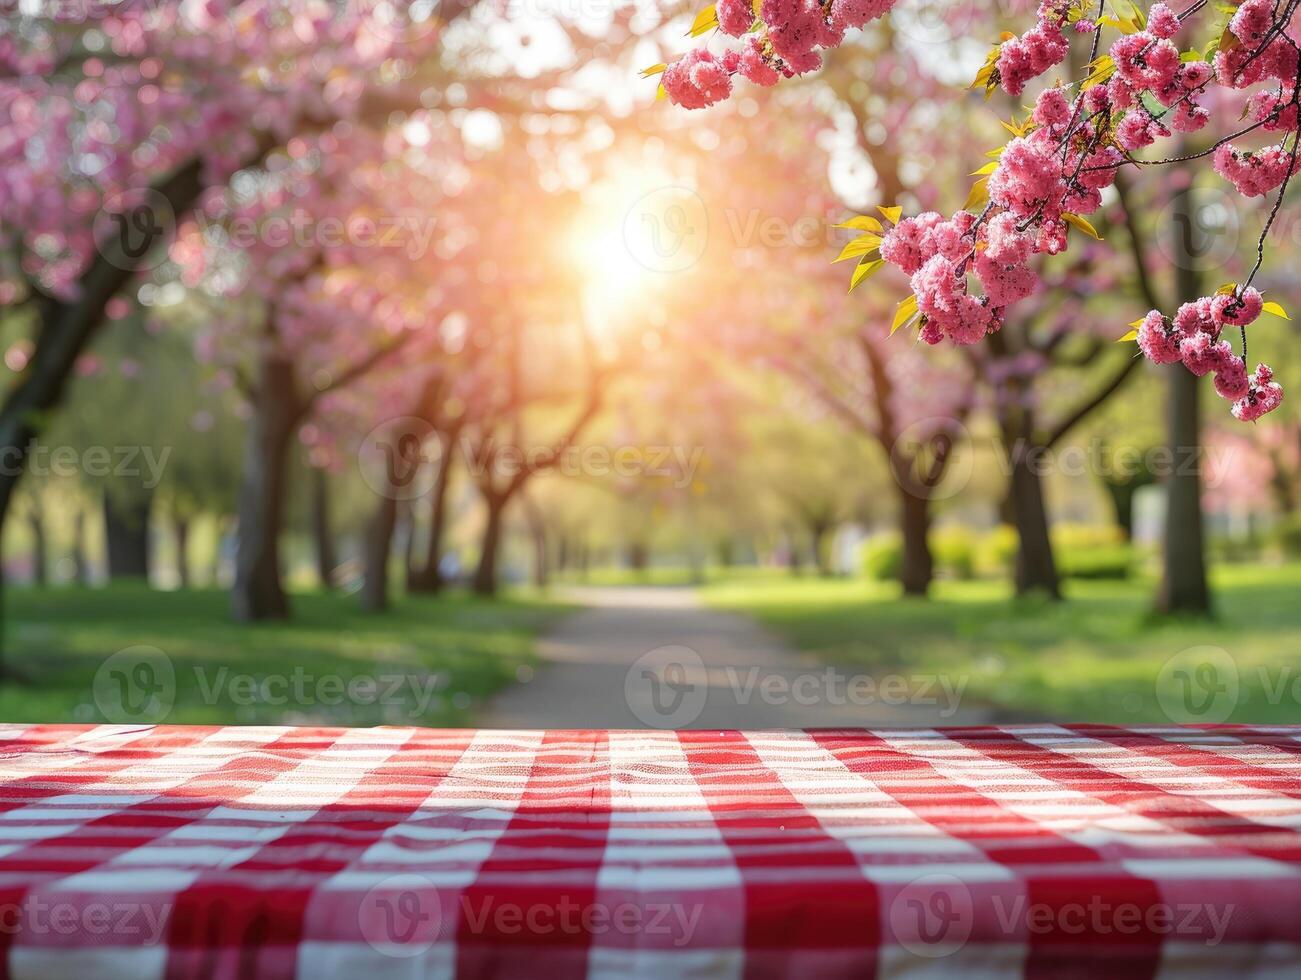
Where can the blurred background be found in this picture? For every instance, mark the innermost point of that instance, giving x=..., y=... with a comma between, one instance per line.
x=373, y=363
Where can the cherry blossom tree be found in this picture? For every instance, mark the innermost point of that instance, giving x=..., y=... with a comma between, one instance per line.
x=118, y=117
x=322, y=253
x=1145, y=76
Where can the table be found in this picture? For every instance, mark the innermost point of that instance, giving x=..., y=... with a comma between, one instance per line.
x=1013, y=851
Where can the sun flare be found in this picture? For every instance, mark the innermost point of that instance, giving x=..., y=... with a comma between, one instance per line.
x=631, y=241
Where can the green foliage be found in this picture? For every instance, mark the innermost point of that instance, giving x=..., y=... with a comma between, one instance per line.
x=954, y=550
x=1104, y=562
x=1087, y=551
x=1096, y=657
x=997, y=550
x=882, y=558
x=1288, y=534
x=59, y=637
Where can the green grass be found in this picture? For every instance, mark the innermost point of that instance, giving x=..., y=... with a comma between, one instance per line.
x=1098, y=657
x=430, y=661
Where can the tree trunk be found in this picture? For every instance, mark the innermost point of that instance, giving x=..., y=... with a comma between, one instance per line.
x=126, y=533
x=37, y=525
x=541, y=557
x=917, y=567
x=1183, y=584
x=1036, y=569
x=428, y=579
x=322, y=535
x=1122, y=501
x=181, y=532
x=379, y=546
x=485, y=575
x=258, y=592
x=80, y=560
x=818, y=543
x=1183, y=581
x=794, y=557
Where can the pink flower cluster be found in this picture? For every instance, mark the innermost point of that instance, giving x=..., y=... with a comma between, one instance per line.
x=1030, y=192
x=1053, y=173
x=1193, y=338
x=965, y=270
x=935, y=253
x=787, y=36
x=1044, y=46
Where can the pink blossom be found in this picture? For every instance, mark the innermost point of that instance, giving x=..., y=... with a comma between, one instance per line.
x=1158, y=339
x=1265, y=395
x=697, y=80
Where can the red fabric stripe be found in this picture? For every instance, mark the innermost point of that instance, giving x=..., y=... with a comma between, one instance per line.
x=782, y=912
x=1051, y=953
x=493, y=937
x=250, y=918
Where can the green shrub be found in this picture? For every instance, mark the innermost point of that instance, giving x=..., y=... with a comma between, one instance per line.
x=1288, y=534
x=1102, y=562
x=954, y=550
x=882, y=557
x=997, y=550
x=1081, y=537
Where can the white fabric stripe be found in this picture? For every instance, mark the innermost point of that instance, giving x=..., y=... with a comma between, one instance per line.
x=1223, y=792
x=964, y=764
x=84, y=750
x=801, y=765
x=55, y=816
x=633, y=871
x=100, y=962
x=317, y=959
x=120, y=874
x=1243, y=961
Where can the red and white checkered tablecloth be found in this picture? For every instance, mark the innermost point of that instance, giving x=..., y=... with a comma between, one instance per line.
x=1036, y=851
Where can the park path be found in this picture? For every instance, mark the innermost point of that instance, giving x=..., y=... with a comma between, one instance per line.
x=653, y=657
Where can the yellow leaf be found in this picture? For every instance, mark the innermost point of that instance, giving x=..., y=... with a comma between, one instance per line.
x=1275, y=309
x=978, y=196
x=653, y=70
x=1075, y=221
x=1132, y=335
x=1100, y=71
x=906, y=311
x=1137, y=323
x=892, y=214
x=865, y=269
x=861, y=222
x=861, y=246
x=988, y=168
x=1226, y=289
x=705, y=22
x=661, y=93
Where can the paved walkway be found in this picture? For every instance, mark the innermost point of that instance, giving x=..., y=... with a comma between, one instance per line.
x=655, y=658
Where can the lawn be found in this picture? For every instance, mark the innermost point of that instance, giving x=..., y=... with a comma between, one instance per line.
x=127, y=653
x=1098, y=657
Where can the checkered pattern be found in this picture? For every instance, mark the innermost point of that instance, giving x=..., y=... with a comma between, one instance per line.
x=1036, y=851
